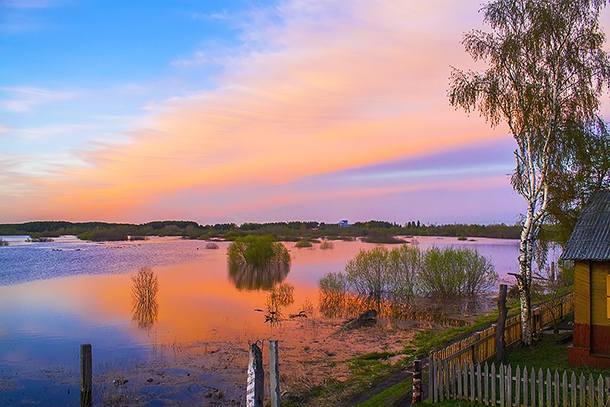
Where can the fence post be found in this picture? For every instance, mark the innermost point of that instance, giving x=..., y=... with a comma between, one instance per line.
x=500, y=340
x=254, y=391
x=417, y=382
x=274, y=375
x=86, y=376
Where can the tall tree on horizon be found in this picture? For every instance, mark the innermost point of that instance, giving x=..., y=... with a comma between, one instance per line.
x=547, y=70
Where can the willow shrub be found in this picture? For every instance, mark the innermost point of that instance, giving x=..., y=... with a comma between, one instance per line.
x=395, y=278
x=257, y=251
x=450, y=271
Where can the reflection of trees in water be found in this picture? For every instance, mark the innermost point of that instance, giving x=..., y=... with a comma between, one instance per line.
x=247, y=277
x=144, y=297
x=336, y=300
x=279, y=297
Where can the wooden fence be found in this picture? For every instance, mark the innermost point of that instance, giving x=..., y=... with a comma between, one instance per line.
x=481, y=346
x=503, y=387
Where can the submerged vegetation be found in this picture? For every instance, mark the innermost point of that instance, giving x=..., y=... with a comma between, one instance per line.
x=257, y=262
x=257, y=251
x=371, y=231
x=144, y=289
x=392, y=280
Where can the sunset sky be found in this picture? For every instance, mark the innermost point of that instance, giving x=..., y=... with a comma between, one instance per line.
x=244, y=111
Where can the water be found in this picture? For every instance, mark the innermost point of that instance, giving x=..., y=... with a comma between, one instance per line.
x=57, y=295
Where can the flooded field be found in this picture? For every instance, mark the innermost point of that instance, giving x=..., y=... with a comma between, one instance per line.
x=190, y=345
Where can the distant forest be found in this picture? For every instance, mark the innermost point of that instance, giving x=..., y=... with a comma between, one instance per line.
x=372, y=231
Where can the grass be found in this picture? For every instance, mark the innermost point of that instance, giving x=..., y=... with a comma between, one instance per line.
x=366, y=370
x=390, y=395
x=546, y=354
x=426, y=341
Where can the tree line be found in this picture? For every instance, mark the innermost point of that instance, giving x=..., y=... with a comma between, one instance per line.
x=372, y=231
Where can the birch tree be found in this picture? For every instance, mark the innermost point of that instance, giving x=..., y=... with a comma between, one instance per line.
x=547, y=70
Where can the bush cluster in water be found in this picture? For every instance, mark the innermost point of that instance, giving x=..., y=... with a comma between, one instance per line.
x=257, y=251
x=397, y=277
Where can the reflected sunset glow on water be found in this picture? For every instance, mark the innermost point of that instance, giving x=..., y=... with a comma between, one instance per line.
x=44, y=319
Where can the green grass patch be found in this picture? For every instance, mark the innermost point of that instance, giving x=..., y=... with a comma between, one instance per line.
x=429, y=340
x=390, y=395
x=546, y=354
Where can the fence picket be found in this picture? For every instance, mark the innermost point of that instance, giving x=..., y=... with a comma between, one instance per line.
x=448, y=390
x=502, y=386
x=583, y=386
x=518, y=387
x=479, y=385
x=471, y=374
x=509, y=387
x=556, y=388
x=526, y=395
x=540, y=385
x=600, y=392
x=564, y=386
x=591, y=391
x=486, y=374
x=573, y=387
x=458, y=376
x=492, y=397
x=533, y=388
x=547, y=384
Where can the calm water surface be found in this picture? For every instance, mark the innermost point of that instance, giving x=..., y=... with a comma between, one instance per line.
x=55, y=296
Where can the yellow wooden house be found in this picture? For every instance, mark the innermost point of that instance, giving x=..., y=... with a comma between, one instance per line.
x=589, y=249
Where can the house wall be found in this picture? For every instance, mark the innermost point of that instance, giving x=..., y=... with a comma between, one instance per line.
x=591, y=322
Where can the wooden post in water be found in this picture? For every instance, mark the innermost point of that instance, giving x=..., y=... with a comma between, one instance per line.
x=500, y=340
x=274, y=374
x=417, y=387
x=86, y=376
x=255, y=389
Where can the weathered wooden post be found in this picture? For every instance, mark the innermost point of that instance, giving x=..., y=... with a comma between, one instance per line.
x=86, y=376
x=417, y=388
x=256, y=387
x=274, y=375
x=502, y=310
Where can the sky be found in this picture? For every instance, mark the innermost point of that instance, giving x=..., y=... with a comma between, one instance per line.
x=244, y=111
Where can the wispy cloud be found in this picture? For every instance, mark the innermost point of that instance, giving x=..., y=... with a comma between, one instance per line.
x=23, y=99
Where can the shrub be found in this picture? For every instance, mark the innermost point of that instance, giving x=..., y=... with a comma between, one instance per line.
x=303, y=243
x=257, y=251
x=368, y=274
x=392, y=280
x=144, y=297
x=327, y=245
x=333, y=294
x=211, y=246
x=449, y=272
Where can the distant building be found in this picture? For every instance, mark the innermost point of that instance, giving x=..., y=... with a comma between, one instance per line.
x=344, y=223
x=589, y=248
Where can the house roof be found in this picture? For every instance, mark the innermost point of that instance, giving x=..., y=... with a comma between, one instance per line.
x=590, y=239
